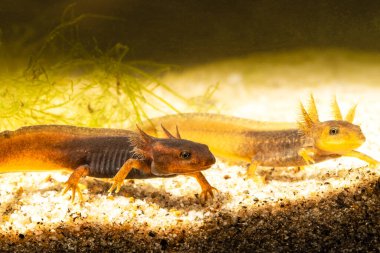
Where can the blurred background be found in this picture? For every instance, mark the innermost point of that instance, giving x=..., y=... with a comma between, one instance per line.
x=116, y=61
x=193, y=32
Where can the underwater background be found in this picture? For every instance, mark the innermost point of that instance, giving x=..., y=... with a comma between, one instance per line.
x=116, y=63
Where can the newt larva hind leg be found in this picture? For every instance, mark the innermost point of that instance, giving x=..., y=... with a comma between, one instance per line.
x=72, y=182
x=252, y=173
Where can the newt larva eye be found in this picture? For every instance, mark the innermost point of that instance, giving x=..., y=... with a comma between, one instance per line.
x=185, y=155
x=334, y=131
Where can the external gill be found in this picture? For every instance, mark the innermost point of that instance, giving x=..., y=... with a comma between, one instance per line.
x=309, y=119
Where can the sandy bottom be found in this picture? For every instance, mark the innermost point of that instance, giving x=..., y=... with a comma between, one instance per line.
x=334, y=205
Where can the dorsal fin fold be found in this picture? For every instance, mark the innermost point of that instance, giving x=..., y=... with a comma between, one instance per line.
x=336, y=110
x=351, y=114
x=313, y=112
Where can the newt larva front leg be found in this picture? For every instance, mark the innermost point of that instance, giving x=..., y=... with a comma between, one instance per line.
x=307, y=154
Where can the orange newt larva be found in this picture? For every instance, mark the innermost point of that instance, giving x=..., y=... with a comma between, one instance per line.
x=103, y=153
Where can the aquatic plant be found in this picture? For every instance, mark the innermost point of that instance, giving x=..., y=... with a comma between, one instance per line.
x=86, y=86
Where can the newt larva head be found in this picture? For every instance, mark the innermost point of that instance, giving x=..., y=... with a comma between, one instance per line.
x=173, y=155
x=337, y=136
x=179, y=156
